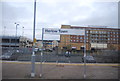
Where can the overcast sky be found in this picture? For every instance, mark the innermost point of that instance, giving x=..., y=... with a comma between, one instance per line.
x=53, y=13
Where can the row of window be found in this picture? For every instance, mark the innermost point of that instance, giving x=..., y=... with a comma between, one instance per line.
x=78, y=37
x=78, y=41
x=103, y=32
x=97, y=38
x=93, y=41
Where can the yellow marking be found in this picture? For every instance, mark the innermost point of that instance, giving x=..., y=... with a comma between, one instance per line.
x=74, y=64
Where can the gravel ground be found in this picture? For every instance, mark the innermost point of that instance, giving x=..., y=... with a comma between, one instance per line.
x=16, y=70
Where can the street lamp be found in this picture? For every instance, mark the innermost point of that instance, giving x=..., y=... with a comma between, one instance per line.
x=33, y=53
x=4, y=30
x=22, y=31
x=16, y=33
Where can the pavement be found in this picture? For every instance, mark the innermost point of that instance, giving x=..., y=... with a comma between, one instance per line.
x=22, y=70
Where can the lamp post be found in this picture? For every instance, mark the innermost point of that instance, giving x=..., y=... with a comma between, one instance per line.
x=33, y=53
x=22, y=31
x=4, y=30
x=16, y=33
x=22, y=36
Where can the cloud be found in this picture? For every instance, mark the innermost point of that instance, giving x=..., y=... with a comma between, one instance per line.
x=103, y=14
x=53, y=13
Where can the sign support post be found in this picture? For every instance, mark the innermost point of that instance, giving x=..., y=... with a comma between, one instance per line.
x=41, y=58
x=85, y=55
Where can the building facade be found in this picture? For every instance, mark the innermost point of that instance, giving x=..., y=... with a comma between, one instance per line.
x=47, y=44
x=13, y=41
x=98, y=38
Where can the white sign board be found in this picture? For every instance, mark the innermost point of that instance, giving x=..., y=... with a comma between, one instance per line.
x=64, y=31
x=98, y=45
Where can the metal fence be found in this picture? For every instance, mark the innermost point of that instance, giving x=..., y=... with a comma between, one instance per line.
x=100, y=56
x=59, y=56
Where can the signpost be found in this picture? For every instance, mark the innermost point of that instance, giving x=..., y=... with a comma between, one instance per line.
x=41, y=53
x=85, y=55
x=65, y=32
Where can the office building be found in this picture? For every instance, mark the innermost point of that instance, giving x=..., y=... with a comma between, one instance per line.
x=96, y=37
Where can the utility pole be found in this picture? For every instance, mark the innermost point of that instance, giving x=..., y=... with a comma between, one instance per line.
x=33, y=53
x=16, y=34
x=22, y=36
x=4, y=30
x=22, y=31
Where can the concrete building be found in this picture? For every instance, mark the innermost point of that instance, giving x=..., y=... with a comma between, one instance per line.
x=13, y=41
x=48, y=44
x=55, y=43
x=98, y=38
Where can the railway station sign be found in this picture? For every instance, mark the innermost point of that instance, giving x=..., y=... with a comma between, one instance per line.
x=64, y=31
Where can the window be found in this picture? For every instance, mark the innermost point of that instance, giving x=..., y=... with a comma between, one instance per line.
x=86, y=31
x=113, y=32
x=96, y=35
x=96, y=31
x=80, y=37
x=87, y=40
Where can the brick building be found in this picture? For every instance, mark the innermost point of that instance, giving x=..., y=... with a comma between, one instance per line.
x=98, y=38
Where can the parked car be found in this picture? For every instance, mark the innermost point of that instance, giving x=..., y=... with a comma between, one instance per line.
x=6, y=56
x=67, y=54
x=89, y=59
x=49, y=50
x=36, y=49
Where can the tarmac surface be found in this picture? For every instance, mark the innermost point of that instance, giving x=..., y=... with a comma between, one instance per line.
x=22, y=70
